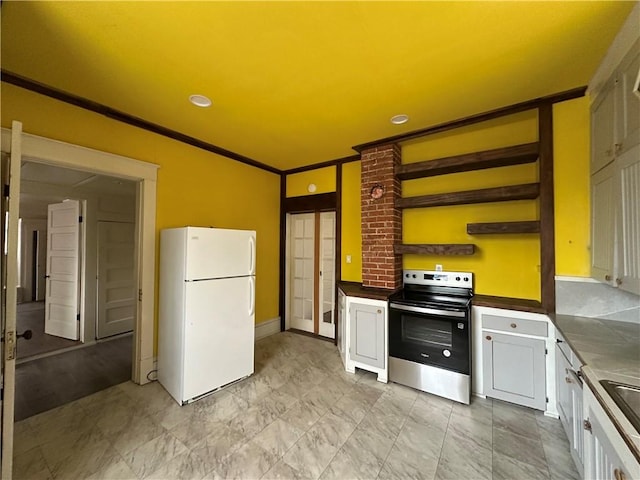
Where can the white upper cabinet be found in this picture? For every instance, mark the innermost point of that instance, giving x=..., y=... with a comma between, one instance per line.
x=627, y=272
x=603, y=224
x=628, y=101
x=615, y=162
x=602, y=128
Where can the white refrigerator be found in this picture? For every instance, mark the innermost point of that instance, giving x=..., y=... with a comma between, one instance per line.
x=206, y=320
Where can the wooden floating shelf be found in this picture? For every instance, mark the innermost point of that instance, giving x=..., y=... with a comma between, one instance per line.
x=503, y=227
x=436, y=248
x=499, y=157
x=526, y=191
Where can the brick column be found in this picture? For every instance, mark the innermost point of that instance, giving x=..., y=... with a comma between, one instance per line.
x=381, y=221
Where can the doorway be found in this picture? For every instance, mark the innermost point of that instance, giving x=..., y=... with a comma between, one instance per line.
x=60, y=154
x=89, y=280
x=311, y=267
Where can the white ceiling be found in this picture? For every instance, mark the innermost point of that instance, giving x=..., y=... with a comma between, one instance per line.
x=45, y=184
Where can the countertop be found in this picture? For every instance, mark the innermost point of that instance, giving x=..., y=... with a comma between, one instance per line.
x=608, y=350
x=354, y=289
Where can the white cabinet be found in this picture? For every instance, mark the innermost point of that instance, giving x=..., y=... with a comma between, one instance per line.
x=515, y=366
x=627, y=270
x=615, y=222
x=606, y=456
x=615, y=177
x=342, y=328
x=569, y=399
x=602, y=224
x=366, y=342
x=603, y=127
x=615, y=112
x=515, y=369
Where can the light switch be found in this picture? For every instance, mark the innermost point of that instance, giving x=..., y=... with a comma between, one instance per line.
x=348, y=259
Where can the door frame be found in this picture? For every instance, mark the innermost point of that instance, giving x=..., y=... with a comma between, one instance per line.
x=66, y=155
x=322, y=202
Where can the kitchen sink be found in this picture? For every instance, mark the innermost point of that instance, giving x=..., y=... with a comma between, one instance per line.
x=627, y=397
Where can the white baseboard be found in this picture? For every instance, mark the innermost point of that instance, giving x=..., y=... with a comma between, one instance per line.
x=564, y=278
x=147, y=366
x=265, y=329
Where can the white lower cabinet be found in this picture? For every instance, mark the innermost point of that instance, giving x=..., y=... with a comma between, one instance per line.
x=515, y=366
x=569, y=400
x=606, y=456
x=366, y=344
x=516, y=369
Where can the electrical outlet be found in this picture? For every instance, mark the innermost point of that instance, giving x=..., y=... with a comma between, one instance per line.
x=348, y=259
x=438, y=267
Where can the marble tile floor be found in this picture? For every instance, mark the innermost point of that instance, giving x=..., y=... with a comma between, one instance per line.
x=300, y=416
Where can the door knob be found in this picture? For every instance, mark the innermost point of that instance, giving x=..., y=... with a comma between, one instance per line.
x=27, y=334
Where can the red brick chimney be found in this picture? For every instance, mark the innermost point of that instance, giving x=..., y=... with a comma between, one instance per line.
x=381, y=221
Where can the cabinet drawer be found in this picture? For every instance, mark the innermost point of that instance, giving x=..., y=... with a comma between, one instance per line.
x=515, y=325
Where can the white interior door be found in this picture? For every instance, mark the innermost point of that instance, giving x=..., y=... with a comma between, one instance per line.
x=302, y=271
x=116, y=278
x=40, y=240
x=327, y=274
x=9, y=174
x=63, y=251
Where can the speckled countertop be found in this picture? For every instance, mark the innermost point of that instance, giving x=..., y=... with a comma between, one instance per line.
x=609, y=350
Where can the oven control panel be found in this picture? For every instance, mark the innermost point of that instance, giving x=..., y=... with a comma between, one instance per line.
x=446, y=279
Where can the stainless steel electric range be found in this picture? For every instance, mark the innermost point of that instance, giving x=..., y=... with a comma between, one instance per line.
x=430, y=333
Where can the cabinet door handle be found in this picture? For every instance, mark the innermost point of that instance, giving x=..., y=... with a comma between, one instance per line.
x=617, y=147
x=607, y=278
x=379, y=311
x=619, y=474
x=488, y=337
x=587, y=425
x=567, y=379
x=513, y=325
x=618, y=281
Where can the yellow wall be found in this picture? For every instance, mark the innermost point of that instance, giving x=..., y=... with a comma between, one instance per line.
x=572, y=201
x=505, y=265
x=194, y=187
x=323, y=178
x=351, y=223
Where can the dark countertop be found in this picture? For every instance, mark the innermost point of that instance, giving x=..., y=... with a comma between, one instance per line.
x=520, y=304
x=354, y=289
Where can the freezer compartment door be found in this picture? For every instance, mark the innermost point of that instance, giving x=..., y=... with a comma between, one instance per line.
x=220, y=253
x=219, y=334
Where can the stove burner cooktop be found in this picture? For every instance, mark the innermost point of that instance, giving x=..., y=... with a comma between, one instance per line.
x=436, y=289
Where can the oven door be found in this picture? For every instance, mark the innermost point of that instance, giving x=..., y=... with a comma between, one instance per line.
x=430, y=336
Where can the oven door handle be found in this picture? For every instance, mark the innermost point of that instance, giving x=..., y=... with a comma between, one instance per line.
x=434, y=311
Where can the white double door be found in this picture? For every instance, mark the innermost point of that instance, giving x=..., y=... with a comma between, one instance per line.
x=312, y=281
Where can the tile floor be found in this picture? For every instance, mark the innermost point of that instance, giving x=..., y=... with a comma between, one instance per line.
x=300, y=416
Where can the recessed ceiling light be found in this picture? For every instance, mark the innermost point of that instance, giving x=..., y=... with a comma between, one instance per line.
x=200, y=100
x=399, y=119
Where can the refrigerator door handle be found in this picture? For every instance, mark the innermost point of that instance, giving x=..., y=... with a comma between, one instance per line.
x=252, y=256
x=252, y=295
